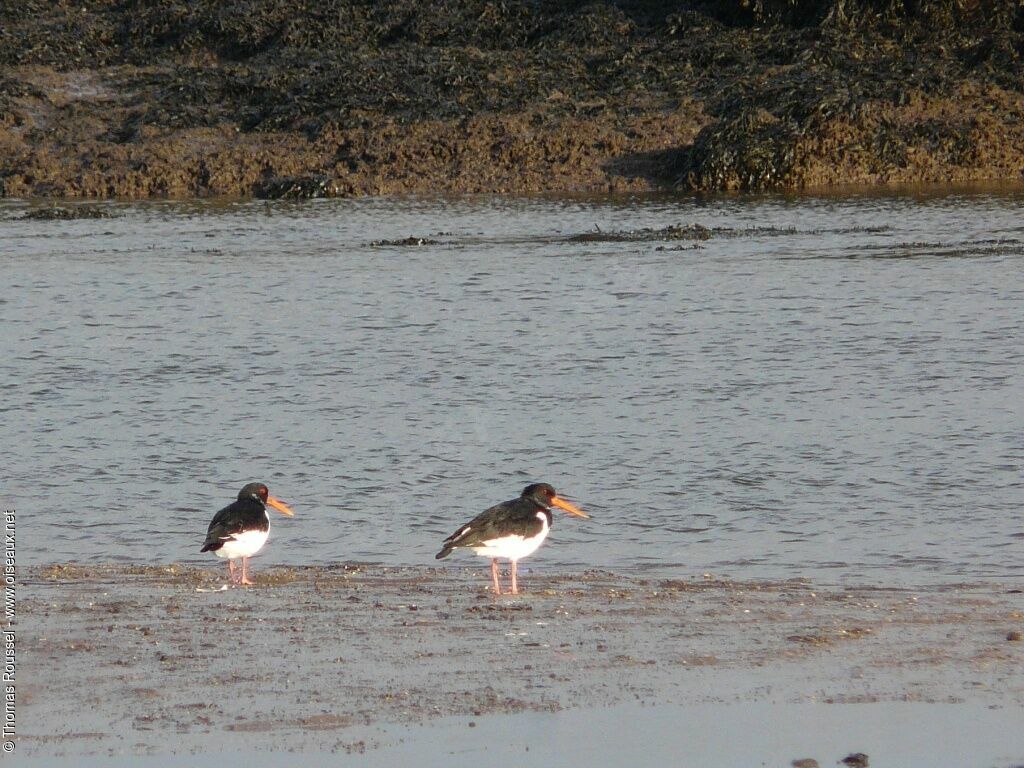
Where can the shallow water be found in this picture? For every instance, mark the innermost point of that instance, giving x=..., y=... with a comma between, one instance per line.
x=827, y=387
x=908, y=734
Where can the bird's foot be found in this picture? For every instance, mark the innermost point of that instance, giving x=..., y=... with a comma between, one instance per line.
x=245, y=572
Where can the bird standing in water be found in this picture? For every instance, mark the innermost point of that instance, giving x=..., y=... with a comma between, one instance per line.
x=241, y=528
x=511, y=530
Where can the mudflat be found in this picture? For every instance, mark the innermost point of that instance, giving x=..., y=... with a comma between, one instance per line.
x=124, y=659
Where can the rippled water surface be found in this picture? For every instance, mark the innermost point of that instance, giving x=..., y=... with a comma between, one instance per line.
x=828, y=388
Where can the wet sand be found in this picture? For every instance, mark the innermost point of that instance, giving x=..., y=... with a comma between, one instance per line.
x=121, y=660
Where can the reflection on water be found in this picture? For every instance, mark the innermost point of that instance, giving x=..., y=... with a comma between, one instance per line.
x=821, y=383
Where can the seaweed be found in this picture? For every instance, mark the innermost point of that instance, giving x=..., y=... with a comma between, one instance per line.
x=786, y=88
x=59, y=213
x=406, y=241
x=298, y=188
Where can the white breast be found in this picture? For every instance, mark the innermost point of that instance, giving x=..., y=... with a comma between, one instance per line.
x=515, y=547
x=243, y=544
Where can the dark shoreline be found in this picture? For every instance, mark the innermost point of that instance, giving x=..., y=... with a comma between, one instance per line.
x=280, y=98
x=118, y=658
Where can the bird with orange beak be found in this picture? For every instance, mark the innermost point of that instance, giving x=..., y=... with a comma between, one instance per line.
x=510, y=530
x=241, y=528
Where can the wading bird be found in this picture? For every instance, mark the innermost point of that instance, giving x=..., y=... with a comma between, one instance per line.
x=512, y=529
x=241, y=528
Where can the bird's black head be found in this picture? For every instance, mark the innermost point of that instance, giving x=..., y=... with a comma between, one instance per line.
x=261, y=493
x=540, y=494
x=255, y=491
x=543, y=495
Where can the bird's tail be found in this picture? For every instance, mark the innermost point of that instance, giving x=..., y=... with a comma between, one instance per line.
x=212, y=546
x=447, y=550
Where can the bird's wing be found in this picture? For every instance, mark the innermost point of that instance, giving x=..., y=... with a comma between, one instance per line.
x=490, y=524
x=225, y=525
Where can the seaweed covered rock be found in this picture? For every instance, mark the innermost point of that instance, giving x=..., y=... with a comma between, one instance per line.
x=752, y=151
x=305, y=98
x=943, y=16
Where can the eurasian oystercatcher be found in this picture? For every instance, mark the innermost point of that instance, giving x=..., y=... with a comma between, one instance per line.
x=512, y=529
x=241, y=528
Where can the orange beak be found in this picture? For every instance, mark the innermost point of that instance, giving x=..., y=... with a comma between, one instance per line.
x=280, y=506
x=572, y=510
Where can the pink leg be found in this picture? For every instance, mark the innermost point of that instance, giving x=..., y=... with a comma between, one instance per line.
x=515, y=587
x=245, y=571
x=231, y=571
x=494, y=576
